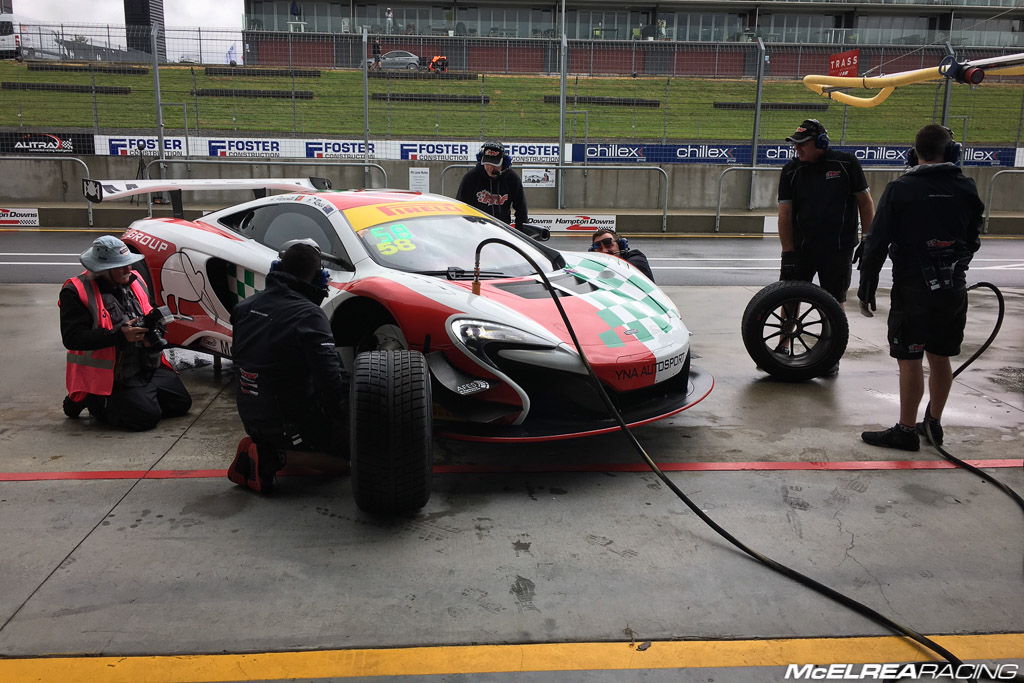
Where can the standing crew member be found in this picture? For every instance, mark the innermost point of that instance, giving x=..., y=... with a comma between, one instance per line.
x=291, y=394
x=607, y=241
x=821, y=192
x=376, y=55
x=115, y=365
x=493, y=187
x=928, y=222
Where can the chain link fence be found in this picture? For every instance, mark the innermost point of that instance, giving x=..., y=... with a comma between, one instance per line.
x=255, y=82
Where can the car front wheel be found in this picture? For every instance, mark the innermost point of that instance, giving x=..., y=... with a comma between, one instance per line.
x=391, y=432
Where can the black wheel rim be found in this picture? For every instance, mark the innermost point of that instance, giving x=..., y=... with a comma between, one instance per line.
x=797, y=333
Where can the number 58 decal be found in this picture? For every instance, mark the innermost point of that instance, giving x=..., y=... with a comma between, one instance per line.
x=393, y=240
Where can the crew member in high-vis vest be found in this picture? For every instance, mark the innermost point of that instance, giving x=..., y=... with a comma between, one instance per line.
x=112, y=368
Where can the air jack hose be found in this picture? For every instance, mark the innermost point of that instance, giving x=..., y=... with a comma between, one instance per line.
x=793, y=574
x=928, y=425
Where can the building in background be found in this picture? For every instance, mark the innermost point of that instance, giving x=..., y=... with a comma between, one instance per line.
x=968, y=23
x=6, y=6
x=139, y=18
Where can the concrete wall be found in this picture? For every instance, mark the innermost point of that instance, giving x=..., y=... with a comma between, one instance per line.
x=692, y=188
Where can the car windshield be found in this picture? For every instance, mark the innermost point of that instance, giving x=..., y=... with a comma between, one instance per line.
x=436, y=244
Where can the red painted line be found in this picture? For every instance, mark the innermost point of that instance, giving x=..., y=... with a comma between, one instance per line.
x=736, y=466
x=553, y=467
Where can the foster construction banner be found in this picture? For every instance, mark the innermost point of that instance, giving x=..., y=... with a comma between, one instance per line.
x=524, y=154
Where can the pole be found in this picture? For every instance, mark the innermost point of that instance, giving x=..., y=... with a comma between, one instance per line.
x=563, y=66
x=761, y=53
x=153, y=29
x=948, y=94
x=366, y=109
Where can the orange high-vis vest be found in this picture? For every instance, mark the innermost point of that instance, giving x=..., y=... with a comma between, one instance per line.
x=92, y=372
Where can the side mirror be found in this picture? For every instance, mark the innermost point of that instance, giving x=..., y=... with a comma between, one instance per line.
x=535, y=231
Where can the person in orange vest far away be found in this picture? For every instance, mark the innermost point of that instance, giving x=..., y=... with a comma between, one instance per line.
x=114, y=337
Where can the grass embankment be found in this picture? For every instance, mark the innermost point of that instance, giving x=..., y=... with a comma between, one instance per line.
x=990, y=114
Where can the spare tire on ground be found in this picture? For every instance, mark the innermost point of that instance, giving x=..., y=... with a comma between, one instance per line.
x=795, y=330
x=391, y=435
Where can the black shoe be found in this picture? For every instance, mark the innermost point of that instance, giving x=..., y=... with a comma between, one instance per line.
x=896, y=436
x=932, y=425
x=73, y=408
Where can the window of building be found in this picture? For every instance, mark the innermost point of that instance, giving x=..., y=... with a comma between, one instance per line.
x=692, y=26
x=992, y=32
x=892, y=30
x=799, y=28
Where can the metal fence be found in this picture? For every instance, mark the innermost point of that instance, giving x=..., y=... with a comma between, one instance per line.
x=494, y=87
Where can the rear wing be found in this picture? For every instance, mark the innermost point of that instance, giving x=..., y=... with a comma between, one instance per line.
x=97, y=191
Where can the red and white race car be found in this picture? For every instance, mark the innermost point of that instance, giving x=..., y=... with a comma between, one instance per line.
x=502, y=363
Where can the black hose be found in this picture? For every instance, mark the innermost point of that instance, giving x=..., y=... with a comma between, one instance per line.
x=793, y=574
x=928, y=425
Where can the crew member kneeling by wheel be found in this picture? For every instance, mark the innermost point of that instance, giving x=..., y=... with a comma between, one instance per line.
x=115, y=362
x=291, y=392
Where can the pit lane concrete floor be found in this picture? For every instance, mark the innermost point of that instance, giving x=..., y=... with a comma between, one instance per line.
x=576, y=574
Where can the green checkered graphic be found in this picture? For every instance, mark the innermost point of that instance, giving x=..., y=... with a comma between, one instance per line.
x=243, y=283
x=623, y=302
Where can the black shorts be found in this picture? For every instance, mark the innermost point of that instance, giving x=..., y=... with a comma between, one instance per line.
x=920, y=320
x=830, y=265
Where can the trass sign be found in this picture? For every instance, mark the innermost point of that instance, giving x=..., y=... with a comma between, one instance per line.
x=844, y=63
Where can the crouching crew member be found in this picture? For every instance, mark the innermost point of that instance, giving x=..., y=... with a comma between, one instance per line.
x=493, y=187
x=114, y=368
x=608, y=242
x=928, y=222
x=291, y=394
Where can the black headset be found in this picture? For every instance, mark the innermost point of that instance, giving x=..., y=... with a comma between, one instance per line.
x=951, y=153
x=323, y=278
x=494, y=149
x=821, y=139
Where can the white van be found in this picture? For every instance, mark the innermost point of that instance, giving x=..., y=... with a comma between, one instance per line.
x=25, y=38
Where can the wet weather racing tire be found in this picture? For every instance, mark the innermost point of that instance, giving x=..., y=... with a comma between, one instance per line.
x=391, y=432
x=795, y=330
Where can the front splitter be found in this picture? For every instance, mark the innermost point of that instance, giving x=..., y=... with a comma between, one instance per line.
x=698, y=387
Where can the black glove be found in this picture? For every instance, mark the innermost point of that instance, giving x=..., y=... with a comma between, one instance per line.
x=789, y=266
x=866, y=293
x=858, y=253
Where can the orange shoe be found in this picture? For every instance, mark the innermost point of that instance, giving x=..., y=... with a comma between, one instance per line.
x=252, y=469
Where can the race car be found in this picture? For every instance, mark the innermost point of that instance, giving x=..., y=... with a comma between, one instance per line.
x=502, y=365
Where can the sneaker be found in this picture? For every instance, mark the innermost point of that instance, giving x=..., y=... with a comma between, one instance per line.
x=930, y=424
x=253, y=469
x=897, y=436
x=73, y=408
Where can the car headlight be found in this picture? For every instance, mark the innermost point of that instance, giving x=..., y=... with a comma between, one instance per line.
x=476, y=335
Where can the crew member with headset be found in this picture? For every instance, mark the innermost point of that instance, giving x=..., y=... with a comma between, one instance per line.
x=115, y=363
x=821, y=193
x=928, y=222
x=493, y=187
x=291, y=393
x=607, y=241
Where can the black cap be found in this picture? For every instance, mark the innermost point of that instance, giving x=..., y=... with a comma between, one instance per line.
x=809, y=129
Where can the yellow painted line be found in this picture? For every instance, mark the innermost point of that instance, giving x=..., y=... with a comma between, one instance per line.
x=423, y=661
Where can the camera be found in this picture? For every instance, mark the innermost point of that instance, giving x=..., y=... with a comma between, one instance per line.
x=155, y=321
